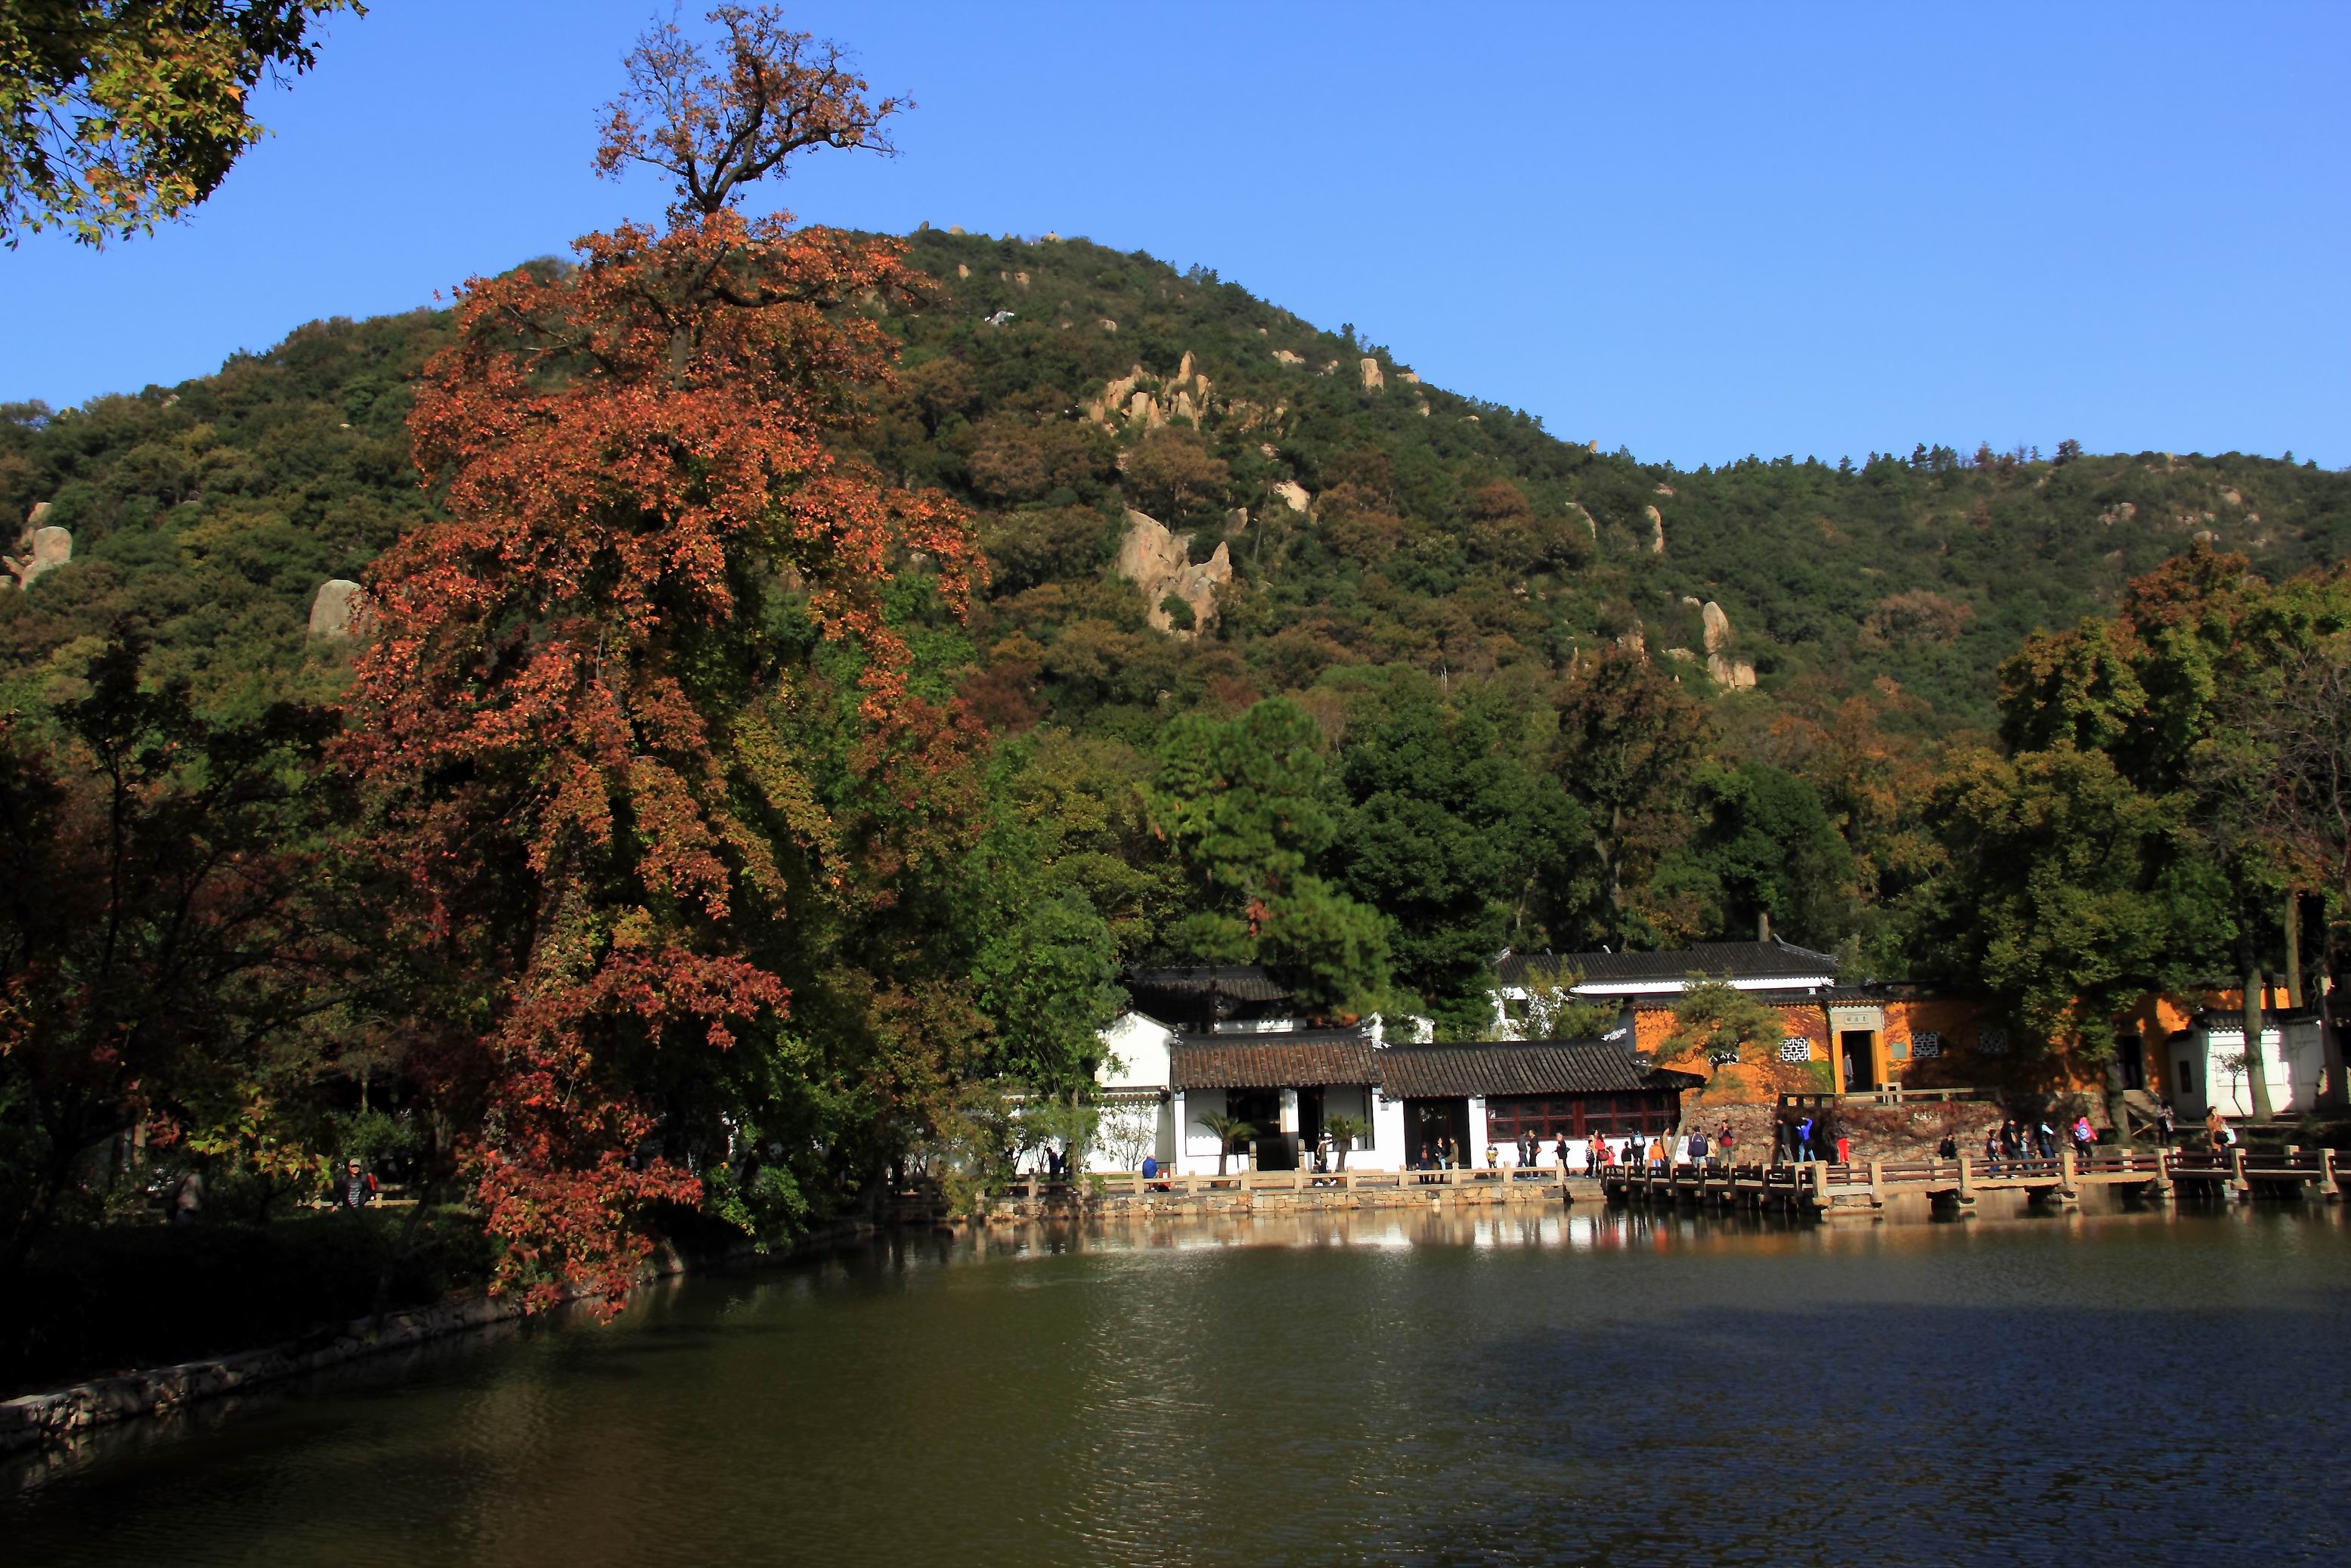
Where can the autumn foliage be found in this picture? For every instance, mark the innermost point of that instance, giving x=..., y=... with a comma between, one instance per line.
x=633, y=459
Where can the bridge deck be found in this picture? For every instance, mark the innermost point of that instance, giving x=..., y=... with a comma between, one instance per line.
x=1863, y=1188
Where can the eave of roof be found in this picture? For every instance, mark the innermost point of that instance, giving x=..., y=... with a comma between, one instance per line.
x=1735, y=960
x=1297, y=1060
x=1521, y=1067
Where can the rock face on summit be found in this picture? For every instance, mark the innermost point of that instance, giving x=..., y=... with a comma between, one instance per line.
x=1159, y=562
x=336, y=611
x=1372, y=380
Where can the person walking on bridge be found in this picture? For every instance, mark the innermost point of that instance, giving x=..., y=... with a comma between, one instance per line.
x=2086, y=1137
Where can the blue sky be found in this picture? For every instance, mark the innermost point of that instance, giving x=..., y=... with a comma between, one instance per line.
x=1695, y=230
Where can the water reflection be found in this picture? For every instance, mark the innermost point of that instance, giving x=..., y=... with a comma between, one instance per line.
x=1432, y=1385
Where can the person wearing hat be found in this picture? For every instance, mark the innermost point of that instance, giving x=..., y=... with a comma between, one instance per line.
x=355, y=1188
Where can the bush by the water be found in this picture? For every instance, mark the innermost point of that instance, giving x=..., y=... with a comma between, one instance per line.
x=94, y=1301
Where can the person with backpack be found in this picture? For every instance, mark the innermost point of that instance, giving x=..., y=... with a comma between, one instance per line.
x=2086, y=1137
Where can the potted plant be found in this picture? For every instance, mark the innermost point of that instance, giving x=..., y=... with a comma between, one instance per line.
x=1344, y=1131
x=1228, y=1130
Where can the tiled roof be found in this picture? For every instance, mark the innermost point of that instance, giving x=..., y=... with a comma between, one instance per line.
x=1770, y=960
x=1792, y=997
x=1241, y=982
x=1292, y=1060
x=1521, y=1067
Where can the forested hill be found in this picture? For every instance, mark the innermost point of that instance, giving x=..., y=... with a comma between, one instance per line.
x=1439, y=532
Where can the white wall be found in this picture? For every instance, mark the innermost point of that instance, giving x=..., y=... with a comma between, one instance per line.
x=1387, y=1151
x=1136, y=1053
x=2291, y=1061
x=1199, y=1145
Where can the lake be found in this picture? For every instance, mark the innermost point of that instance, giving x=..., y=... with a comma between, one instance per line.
x=1569, y=1385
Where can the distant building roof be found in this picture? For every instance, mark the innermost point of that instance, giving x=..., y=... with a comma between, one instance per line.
x=1772, y=960
x=1296, y=1060
x=1522, y=1067
x=1241, y=982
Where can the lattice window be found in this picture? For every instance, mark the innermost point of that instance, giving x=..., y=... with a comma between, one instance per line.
x=1796, y=1049
x=1925, y=1042
x=1991, y=1041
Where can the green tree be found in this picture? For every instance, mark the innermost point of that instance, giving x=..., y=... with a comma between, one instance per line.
x=161, y=949
x=1554, y=1011
x=116, y=115
x=1048, y=984
x=2068, y=892
x=1242, y=801
x=1764, y=845
x=1715, y=1018
x=1630, y=742
x=1441, y=832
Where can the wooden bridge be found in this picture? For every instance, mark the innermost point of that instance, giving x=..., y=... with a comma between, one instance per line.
x=1861, y=1189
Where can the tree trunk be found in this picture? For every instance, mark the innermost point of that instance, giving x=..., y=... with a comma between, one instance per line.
x=2257, y=1076
x=2336, y=1094
x=2293, y=948
x=2117, y=1106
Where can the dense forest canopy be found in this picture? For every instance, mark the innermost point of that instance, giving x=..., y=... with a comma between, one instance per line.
x=1278, y=653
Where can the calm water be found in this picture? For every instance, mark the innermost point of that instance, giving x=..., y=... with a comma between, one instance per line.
x=1593, y=1388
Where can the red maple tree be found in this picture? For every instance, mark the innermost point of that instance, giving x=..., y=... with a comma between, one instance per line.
x=633, y=460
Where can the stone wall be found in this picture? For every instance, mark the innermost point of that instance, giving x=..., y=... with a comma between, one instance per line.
x=32, y=1421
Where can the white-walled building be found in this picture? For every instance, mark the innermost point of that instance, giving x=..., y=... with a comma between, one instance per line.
x=1771, y=965
x=2210, y=1065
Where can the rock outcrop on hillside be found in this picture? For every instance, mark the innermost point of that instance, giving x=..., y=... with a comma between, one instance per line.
x=1292, y=493
x=1372, y=380
x=339, y=608
x=1158, y=562
x=41, y=547
x=1140, y=399
x=1737, y=675
x=1656, y=529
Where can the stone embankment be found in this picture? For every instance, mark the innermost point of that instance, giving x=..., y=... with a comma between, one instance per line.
x=1411, y=1194
x=32, y=1421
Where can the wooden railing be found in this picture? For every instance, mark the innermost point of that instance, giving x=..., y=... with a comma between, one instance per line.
x=1824, y=1182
